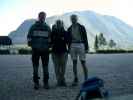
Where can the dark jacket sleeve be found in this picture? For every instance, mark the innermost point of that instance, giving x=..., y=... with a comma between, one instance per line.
x=66, y=37
x=69, y=37
x=49, y=36
x=29, y=35
x=52, y=34
x=85, y=40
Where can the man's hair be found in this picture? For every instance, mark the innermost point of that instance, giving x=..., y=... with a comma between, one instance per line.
x=58, y=21
x=42, y=13
x=74, y=16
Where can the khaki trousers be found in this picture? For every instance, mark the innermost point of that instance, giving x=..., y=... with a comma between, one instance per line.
x=60, y=61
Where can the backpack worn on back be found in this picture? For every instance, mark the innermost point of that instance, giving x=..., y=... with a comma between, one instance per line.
x=92, y=88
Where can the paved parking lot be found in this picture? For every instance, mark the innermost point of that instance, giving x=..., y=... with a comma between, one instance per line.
x=16, y=77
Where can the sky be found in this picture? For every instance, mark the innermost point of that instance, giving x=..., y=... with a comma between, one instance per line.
x=14, y=12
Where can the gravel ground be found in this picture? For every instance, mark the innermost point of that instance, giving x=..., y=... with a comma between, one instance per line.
x=16, y=77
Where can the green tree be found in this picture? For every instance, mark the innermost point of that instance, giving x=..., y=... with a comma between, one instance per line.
x=112, y=43
x=96, y=43
x=102, y=40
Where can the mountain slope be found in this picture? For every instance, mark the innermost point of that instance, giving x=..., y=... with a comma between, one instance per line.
x=111, y=27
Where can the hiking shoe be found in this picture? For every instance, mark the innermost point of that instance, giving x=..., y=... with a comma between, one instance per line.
x=63, y=84
x=46, y=86
x=75, y=82
x=36, y=86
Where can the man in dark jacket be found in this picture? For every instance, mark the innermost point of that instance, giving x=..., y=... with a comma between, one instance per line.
x=78, y=46
x=38, y=40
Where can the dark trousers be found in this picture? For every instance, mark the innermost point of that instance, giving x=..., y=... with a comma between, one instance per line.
x=36, y=55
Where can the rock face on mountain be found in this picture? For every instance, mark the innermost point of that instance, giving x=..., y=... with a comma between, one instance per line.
x=111, y=27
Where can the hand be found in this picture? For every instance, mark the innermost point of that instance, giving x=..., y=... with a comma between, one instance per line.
x=50, y=50
x=68, y=50
x=29, y=43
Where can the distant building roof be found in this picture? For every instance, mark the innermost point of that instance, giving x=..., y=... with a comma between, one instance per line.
x=5, y=40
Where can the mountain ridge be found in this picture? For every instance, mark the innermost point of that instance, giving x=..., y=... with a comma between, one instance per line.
x=110, y=26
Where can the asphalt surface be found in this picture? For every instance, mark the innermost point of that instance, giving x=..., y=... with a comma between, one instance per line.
x=16, y=77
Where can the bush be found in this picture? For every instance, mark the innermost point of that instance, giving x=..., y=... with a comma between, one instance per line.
x=24, y=51
x=4, y=52
x=111, y=51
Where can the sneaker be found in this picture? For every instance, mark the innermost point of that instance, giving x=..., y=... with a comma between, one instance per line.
x=46, y=86
x=36, y=86
x=63, y=84
x=58, y=84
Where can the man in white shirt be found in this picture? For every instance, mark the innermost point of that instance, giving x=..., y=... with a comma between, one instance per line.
x=78, y=47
